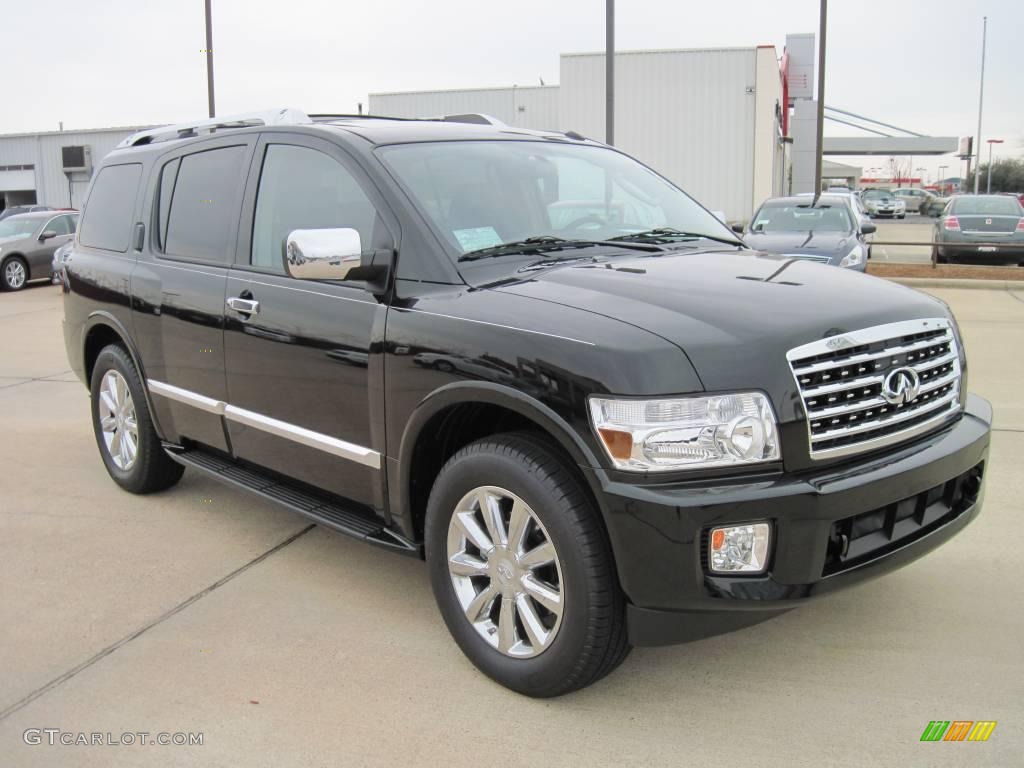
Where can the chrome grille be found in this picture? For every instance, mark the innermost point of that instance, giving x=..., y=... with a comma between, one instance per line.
x=841, y=381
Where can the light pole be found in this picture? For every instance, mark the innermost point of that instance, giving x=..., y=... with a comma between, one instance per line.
x=942, y=178
x=981, y=98
x=818, y=153
x=609, y=72
x=209, y=60
x=988, y=188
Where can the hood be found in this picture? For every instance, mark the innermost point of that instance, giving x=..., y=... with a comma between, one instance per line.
x=833, y=245
x=734, y=314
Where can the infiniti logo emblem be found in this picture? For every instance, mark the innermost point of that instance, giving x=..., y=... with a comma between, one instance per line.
x=900, y=386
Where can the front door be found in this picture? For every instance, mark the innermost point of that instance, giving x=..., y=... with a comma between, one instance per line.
x=40, y=258
x=304, y=379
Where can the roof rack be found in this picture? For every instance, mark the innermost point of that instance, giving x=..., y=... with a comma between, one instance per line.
x=474, y=118
x=211, y=125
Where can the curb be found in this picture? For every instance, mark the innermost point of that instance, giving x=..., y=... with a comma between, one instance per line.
x=934, y=282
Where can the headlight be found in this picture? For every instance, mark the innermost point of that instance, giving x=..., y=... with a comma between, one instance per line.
x=686, y=432
x=900, y=204
x=854, y=258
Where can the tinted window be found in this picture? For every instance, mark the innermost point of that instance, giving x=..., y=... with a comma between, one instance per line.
x=166, y=190
x=204, y=206
x=61, y=225
x=991, y=206
x=302, y=188
x=73, y=223
x=108, y=212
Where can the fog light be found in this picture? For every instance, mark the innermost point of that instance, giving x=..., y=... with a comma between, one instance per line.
x=739, y=548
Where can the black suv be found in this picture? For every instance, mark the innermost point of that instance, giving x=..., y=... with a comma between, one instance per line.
x=526, y=357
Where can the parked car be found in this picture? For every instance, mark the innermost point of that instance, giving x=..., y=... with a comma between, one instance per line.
x=27, y=243
x=16, y=210
x=827, y=233
x=979, y=229
x=933, y=206
x=666, y=433
x=59, y=257
x=882, y=203
x=914, y=198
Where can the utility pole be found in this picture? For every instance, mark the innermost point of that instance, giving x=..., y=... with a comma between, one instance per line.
x=819, y=158
x=981, y=99
x=209, y=60
x=609, y=72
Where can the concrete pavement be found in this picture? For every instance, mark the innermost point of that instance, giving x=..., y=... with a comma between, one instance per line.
x=203, y=609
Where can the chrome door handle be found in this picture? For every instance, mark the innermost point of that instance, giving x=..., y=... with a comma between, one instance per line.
x=243, y=306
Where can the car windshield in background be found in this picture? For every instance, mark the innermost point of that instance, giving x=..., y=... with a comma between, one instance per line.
x=987, y=206
x=878, y=194
x=15, y=227
x=801, y=218
x=483, y=194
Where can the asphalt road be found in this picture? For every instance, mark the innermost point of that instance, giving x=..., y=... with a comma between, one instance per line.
x=205, y=610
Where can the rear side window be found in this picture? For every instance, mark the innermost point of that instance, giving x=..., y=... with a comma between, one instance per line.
x=203, y=213
x=107, y=220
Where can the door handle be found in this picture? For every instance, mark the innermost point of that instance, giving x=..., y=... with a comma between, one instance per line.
x=243, y=306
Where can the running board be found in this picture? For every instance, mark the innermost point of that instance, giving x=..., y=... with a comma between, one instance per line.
x=328, y=512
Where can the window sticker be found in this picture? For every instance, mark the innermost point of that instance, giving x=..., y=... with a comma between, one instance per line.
x=476, y=238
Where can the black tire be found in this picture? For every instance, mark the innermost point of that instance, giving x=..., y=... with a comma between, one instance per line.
x=4, y=278
x=152, y=470
x=591, y=640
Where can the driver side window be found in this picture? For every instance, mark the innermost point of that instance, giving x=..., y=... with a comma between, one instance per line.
x=303, y=188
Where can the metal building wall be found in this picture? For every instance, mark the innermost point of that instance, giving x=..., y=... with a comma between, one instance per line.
x=43, y=150
x=524, y=107
x=689, y=114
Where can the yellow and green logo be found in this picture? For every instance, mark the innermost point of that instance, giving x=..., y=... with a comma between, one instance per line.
x=958, y=730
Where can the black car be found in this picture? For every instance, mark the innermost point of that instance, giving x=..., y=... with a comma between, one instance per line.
x=643, y=431
x=798, y=227
x=980, y=229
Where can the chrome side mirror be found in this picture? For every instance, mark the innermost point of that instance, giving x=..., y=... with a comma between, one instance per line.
x=322, y=254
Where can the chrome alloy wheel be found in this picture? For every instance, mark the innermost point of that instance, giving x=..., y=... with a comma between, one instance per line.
x=505, y=572
x=14, y=273
x=118, y=421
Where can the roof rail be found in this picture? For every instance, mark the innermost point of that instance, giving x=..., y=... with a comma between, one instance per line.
x=210, y=125
x=476, y=118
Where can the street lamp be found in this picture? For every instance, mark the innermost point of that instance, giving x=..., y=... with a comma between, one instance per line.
x=988, y=189
x=942, y=177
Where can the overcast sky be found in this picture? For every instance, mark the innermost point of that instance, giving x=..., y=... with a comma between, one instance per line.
x=914, y=63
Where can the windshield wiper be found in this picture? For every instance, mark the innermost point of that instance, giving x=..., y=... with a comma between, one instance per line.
x=545, y=243
x=667, y=234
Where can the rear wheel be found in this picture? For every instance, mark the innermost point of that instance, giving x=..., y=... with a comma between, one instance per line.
x=128, y=443
x=521, y=568
x=14, y=273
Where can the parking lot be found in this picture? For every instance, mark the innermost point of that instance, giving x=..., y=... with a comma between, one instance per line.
x=913, y=229
x=205, y=610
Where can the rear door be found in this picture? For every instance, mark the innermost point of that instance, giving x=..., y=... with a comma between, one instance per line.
x=304, y=367
x=178, y=290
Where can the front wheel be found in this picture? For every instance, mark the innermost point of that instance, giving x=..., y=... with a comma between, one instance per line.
x=14, y=273
x=521, y=568
x=128, y=443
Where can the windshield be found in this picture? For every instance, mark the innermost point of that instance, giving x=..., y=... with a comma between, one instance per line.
x=990, y=206
x=15, y=227
x=878, y=194
x=801, y=218
x=482, y=194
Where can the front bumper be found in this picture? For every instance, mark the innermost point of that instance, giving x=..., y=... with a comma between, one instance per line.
x=658, y=532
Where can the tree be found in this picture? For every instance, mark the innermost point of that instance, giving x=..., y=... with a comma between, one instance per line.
x=1007, y=176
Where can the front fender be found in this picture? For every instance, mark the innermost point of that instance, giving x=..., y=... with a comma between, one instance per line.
x=463, y=392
